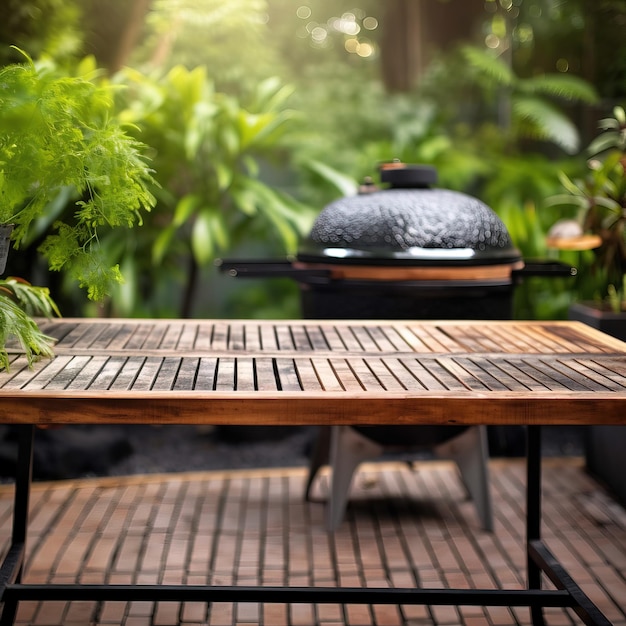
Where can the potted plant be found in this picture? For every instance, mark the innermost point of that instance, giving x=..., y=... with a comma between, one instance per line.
x=59, y=141
x=600, y=226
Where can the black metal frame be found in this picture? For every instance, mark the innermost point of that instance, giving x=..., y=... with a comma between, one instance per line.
x=539, y=561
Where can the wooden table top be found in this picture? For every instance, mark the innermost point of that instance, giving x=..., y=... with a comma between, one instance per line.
x=319, y=372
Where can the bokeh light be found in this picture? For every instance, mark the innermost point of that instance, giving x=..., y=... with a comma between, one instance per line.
x=303, y=12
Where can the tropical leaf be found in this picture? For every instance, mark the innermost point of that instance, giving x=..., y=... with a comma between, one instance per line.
x=566, y=86
x=603, y=142
x=544, y=121
x=272, y=95
x=18, y=301
x=202, y=241
x=345, y=184
x=489, y=66
x=579, y=201
x=209, y=235
x=185, y=208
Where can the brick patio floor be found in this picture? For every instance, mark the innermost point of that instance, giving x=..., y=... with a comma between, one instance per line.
x=403, y=527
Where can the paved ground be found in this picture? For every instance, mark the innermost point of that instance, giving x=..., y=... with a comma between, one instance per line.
x=252, y=526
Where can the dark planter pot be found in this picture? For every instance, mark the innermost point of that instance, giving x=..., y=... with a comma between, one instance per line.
x=605, y=445
x=608, y=322
x=5, y=245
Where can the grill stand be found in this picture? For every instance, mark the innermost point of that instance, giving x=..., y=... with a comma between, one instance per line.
x=539, y=560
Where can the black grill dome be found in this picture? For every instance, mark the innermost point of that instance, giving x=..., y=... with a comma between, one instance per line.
x=418, y=225
x=399, y=219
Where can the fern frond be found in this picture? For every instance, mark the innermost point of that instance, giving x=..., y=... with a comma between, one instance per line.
x=489, y=66
x=17, y=326
x=34, y=301
x=541, y=120
x=563, y=86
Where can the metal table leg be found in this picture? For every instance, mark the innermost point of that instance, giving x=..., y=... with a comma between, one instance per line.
x=533, y=514
x=12, y=567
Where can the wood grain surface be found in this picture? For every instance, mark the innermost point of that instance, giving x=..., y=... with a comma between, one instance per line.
x=319, y=372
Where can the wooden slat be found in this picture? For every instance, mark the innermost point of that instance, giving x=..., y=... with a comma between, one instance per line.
x=252, y=338
x=387, y=378
x=207, y=370
x=547, y=342
x=307, y=375
x=187, y=337
x=186, y=375
x=364, y=375
x=517, y=370
x=553, y=379
x=167, y=374
x=118, y=340
x=47, y=373
x=128, y=373
x=139, y=337
x=474, y=338
x=147, y=374
x=345, y=375
x=226, y=374
x=588, y=369
x=106, y=336
x=219, y=339
x=19, y=374
x=456, y=377
x=348, y=338
x=300, y=338
x=265, y=374
x=333, y=338
x=108, y=373
x=487, y=375
x=268, y=338
x=246, y=374
x=572, y=338
x=432, y=338
x=425, y=377
x=511, y=339
x=85, y=377
x=287, y=375
x=316, y=338
x=284, y=337
x=326, y=374
x=412, y=340
x=493, y=375
x=155, y=337
x=237, y=339
x=73, y=368
x=82, y=335
x=577, y=374
x=363, y=336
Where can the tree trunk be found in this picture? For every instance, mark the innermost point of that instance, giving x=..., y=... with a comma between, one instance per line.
x=113, y=29
x=415, y=29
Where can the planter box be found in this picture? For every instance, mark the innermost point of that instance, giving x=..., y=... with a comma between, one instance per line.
x=605, y=445
x=613, y=324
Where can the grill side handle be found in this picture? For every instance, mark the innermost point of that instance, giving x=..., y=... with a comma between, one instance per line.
x=254, y=268
x=544, y=268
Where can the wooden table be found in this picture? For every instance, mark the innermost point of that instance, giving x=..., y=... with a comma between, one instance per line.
x=324, y=373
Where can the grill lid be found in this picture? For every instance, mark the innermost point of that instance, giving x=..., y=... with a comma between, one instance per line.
x=410, y=223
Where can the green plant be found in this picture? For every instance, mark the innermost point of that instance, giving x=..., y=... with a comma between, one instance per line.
x=221, y=163
x=19, y=301
x=59, y=141
x=526, y=105
x=57, y=132
x=599, y=200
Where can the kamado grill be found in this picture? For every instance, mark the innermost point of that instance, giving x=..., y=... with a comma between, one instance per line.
x=409, y=251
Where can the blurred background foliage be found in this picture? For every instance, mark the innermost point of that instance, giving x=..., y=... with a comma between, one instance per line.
x=260, y=112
